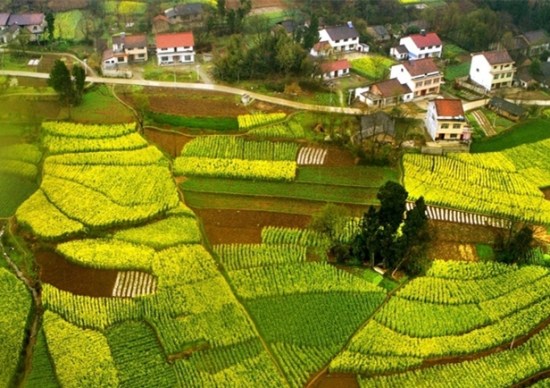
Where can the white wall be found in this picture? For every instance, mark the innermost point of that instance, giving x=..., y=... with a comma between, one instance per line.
x=480, y=71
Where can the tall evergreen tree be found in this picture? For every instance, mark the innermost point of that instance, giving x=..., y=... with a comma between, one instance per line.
x=60, y=81
x=79, y=80
x=392, y=197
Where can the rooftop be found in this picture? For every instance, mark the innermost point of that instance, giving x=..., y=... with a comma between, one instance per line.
x=421, y=67
x=26, y=19
x=327, y=67
x=507, y=106
x=131, y=41
x=391, y=88
x=342, y=32
x=179, y=39
x=426, y=40
x=497, y=57
x=447, y=107
x=536, y=37
x=4, y=19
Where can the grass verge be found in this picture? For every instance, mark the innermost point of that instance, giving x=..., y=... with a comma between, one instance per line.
x=529, y=131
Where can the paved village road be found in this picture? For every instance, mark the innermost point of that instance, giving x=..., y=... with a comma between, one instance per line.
x=197, y=86
x=231, y=90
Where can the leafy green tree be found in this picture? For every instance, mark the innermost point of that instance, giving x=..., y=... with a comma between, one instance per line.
x=330, y=220
x=79, y=80
x=60, y=81
x=393, y=198
x=50, y=20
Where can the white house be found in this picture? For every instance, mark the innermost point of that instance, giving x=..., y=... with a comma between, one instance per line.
x=421, y=76
x=418, y=46
x=384, y=93
x=175, y=48
x=445, y=120
x=339, y=39
x=334, y=69
x=492, y=69
x=126, y=49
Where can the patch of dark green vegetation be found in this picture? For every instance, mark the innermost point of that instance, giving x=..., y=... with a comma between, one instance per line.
x=213, y=123
x=527, y=132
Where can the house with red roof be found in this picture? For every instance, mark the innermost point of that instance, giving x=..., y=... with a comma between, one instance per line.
x=492, y=69
x=418, y=46
x=126, y=49
x=421, y=76
x=445, y=120
x=384, y=93
x=175, y=48
x=335, y=69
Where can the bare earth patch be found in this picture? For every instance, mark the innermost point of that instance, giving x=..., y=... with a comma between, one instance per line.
x=170, y=142
x=226, y=226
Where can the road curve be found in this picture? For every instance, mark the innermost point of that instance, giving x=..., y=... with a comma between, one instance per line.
x=197, y=86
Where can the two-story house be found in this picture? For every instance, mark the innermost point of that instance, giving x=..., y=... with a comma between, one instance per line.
x=421, y=76
x=537, y=42
x=384, y=93
x=175, y=48
x=418, y=46
x=492, y=69
x=334, y=69
x=126, y=49
x=445, y=120
x=35, y=23
x=339, y=39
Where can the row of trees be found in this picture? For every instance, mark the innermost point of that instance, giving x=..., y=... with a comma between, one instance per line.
x=389, y=236
x=69, y=85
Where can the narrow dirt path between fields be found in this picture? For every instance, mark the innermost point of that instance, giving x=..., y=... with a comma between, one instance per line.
x=37, y=312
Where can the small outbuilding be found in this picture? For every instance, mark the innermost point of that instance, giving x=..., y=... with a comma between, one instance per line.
x=507, y=109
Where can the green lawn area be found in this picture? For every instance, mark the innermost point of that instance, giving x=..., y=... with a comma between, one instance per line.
x=169, y=74
x=14, y=191
x=373, y=67
x=485, y=252
x=455, y=71
x=99, y=106
x=292, y=190
x=69, y=25
x=529, y=131
x=363, y=176
x=451, y=50
x=213, y=123
x=499, y=123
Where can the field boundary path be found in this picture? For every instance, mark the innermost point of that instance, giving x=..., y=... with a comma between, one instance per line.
x=462, y=217
x=484, y=123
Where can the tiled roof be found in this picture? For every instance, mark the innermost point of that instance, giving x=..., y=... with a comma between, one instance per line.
x=26, y=19
x=507, y=106
x=342, y=32
x=327, y=67
x=420, y=67
x=536, y=37
x=449, y=107
x=497, y=57
x=4, y=19
x=426, y=40
x=131, y=41
x=190, y=9
x=391, y=88
x=180, y=39
x=402, y=49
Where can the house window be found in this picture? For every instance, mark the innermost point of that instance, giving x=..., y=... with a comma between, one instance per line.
x=508, y=75
x=453, y=135
x=120, y=59
x=477, y=69
x=497, y=76
x=444, y=126
x=456, y=126
x=187, y=58
x=164, y=59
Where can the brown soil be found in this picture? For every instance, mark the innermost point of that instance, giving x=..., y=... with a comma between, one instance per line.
x=336, y=380
x=170, y=142
x=443, y=231
x=73, y=278
x=337, y=157
x=546, y=192
x=191, y=103
x=452, y=251
x=243, y=226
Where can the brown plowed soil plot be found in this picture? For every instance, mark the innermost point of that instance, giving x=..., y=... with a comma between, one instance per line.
x=226, y=226
x=73, y=278
x=337, y=157
x=191, y=103
x=546, y=192
x=171, y=143
x=337, y=380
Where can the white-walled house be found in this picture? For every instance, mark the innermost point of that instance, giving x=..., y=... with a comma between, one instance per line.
x=175, y=48
x=492, y=69
x=418, y=46
x=445, y=120
x=421, y=76
x=335, y=69
x=339, y=38
x=126, y=49
x=384, y=93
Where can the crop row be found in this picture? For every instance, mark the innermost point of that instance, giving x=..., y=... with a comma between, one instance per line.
x=139, y=157
x=15, y=303
x=293, y=236
x=87, y=131
x=257, y=119
x=450, y=291
x=63, y=144
x=236, y=168
x=288, y=130
x=239, y=256
x=288, y=279
x=74, y=367
x=501, y=369
x=231, y=147
x=463, y=270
